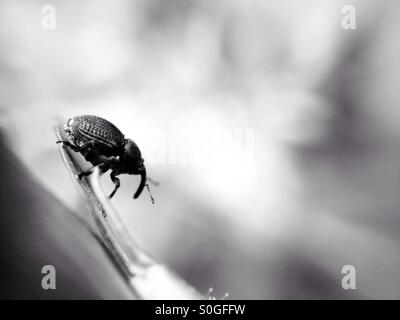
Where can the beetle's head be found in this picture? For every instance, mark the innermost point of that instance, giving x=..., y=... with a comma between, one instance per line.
x=133, y=163
x=132, y=160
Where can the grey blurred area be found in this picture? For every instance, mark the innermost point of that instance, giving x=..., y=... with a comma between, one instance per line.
x=38, y=231
x=322, y=102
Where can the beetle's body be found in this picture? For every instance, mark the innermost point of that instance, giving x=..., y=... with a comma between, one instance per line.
x=83, y=129
x=104, y=145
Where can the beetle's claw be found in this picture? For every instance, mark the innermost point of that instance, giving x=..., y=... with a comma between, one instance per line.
x=64, y=143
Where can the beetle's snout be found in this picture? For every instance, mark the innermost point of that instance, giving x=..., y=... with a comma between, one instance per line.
x=141, y=185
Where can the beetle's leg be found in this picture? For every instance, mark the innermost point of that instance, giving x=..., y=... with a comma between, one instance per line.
x=104, y=167
x=81, y=148
x=66, y=143
x=116, y=181
x=86, y=146
x=109, y=161
x=85, y=173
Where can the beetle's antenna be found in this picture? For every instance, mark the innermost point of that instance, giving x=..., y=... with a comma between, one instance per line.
x=153, y=182
x=151, y=197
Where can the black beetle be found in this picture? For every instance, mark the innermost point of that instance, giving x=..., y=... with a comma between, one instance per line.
x=104, y=145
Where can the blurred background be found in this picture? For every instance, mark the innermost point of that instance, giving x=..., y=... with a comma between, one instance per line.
x=273, y=131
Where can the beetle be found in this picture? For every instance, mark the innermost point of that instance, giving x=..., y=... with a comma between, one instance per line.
x=102, y=144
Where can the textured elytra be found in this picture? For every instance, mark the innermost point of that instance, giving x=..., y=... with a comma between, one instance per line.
x=82, y=129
